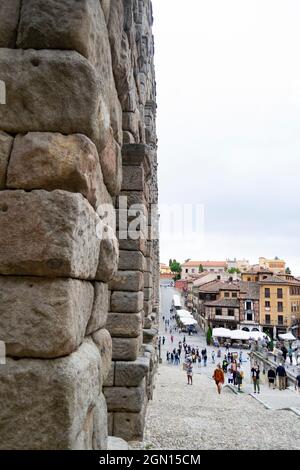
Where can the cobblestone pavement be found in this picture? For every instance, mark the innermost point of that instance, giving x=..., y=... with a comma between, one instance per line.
x=182, y=416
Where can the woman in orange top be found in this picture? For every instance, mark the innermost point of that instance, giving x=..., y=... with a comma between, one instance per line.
x=219, y=377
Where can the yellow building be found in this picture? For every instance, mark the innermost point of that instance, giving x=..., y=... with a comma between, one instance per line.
x=165, y=269
x=256, y=274
x=280, y=304
x=275, y=265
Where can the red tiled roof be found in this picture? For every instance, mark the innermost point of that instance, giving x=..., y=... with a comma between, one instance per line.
x=196, y=264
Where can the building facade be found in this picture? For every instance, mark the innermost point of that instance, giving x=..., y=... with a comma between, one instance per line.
x=280, y=304
x=191, y=268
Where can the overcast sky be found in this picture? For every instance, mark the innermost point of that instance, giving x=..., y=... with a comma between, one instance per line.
x=228, y=76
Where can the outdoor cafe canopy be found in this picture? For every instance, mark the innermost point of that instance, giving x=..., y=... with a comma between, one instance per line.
x=287, y=337
x=221, y=333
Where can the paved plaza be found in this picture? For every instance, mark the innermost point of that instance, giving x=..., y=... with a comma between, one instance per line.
x=182, y=416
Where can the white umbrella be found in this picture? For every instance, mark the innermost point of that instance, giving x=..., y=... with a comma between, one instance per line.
x=240, y=334
x=186, y=321
x=256, y=335
x=287, y=337
x=221, y=333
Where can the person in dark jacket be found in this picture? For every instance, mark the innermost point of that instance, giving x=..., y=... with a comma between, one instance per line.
x=281, y=373
x=271, y=378
x=255, y=372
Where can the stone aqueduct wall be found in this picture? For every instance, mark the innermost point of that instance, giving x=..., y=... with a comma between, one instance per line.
x=77, y=307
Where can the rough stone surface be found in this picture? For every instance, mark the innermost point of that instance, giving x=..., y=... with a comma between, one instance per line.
x=130, y=425
x=100, y=431
x=110, y=379
x=45, y=403
x=6, y=142
x=100, y=308
x=124, y=324
x=127, y=281
x=111, y=163
x=131, y=261
x=103, y=342
x=44, y=318
x=126, y=302
x=57, y=91
x=58, y=230
x=78, y=25
x=130, y=374
x=54, y=161
x=133, y=178
x=126, y=349
x=9, y=18
x=109, y=256
x=128, y=399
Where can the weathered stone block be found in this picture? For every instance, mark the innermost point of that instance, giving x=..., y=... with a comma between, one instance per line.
x=130, y=374
x=137, y=154
x=45, y=403
x=44, y=318
x=131, y=261
x=9, y=18
x=147, y=307
x=48, y=234
x=100, y=308
x=109, y=255
x=149, y=335
x=54, y=161
x=110, y=379
x=77, y=25
x=148, y=293
x=103, y=342
x=131, y=281
x=126, y=349
x=6, y=142
x=126, y=302
x=133, y=178
x=133, y=245
x=111, y=164
x=131, y=123
x=100, y=424
x=127, y=325
x=57, y=91
x=71, y=24
x=148, y=280
x=122, y=399
x=130, y=426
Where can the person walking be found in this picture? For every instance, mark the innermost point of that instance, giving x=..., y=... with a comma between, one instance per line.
x=281, y=373
x=163, y=340
x=290, y=354
x=298, y=382
x=219, y=378
x=172, y=339
x=239, y=377
x=205, y=359
x=230, y=376
x=255, y=372
x=225, y=365
x=199, y=360
x=272, y=378
x=213, y=357
x=189, y=373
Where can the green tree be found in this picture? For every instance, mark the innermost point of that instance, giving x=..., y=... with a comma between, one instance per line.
x=233, y=271
x=288, y=271
x=201, y=269
x=209, y=336
x=176, y=269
